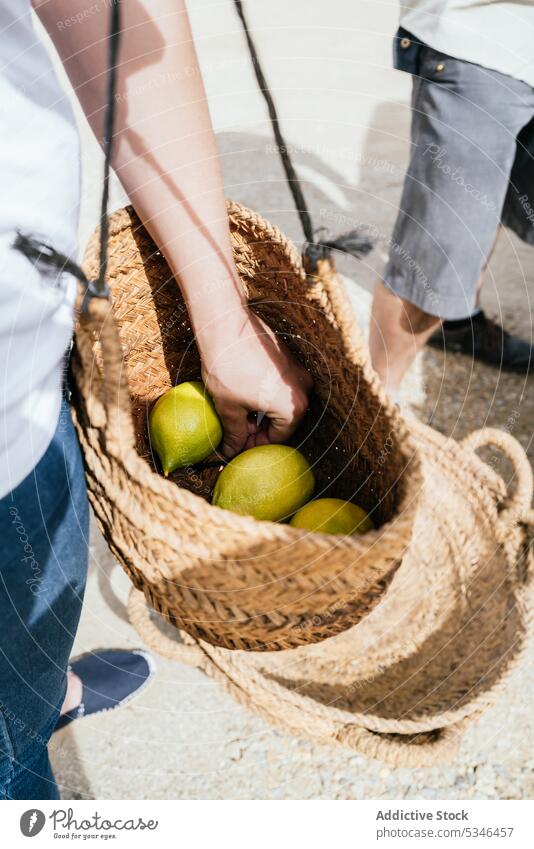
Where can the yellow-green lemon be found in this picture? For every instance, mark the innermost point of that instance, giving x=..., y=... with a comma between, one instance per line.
x=268, y=482
x=184, y=426
x=332, y=516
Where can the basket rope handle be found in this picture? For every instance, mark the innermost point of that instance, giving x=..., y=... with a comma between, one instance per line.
x=155, y=639
x=119, y=428
x=440, y=749
x=518, y=504
x=396, y=752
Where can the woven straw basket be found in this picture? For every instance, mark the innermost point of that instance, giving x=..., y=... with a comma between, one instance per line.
x=227, y=579
x=404, y=685
x=451, y=561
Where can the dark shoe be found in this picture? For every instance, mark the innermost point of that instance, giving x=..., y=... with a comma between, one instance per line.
x=110, y=679
x=483, y=339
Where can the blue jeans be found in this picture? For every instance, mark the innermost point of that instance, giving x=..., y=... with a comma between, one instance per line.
x=43, y=567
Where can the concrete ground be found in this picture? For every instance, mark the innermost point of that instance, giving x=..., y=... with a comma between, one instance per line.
x=346, y=114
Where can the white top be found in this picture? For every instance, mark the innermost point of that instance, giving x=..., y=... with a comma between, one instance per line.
x=40, y=192
x=493, y=33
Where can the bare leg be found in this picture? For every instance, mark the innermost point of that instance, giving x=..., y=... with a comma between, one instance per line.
x=479, y=287
x=398, y=332
x=73, y=696
x=481, y=278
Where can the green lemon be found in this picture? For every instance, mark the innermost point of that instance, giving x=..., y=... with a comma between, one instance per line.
x=268, y=482
x=184, y=426
x=332, y=516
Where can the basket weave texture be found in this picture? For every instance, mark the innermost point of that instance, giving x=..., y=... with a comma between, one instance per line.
x=226, y=579
x=406, y=683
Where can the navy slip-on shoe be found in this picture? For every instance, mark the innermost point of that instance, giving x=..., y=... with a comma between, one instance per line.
x=110, y=679
x=483, y=339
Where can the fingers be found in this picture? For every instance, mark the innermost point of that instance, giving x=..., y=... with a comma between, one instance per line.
x=235, y=427
x=280, y=430
x=284, y=420
x=252, y=424
x=261, y=438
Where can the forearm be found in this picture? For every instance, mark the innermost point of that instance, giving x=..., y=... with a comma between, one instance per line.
x=166, y=158
x=164, y=152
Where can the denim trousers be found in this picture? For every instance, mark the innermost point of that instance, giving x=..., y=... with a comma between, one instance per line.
x=43, y=567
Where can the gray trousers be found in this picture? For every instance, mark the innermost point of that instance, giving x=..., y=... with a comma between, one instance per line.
x=471, y=168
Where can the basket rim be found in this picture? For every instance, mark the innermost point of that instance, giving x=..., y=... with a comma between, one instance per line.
x=185, y=499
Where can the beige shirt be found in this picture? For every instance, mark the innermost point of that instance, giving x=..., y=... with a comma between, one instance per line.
x=493, y=33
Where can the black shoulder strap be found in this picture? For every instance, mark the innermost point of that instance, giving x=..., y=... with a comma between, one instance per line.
x=354, y=242
x=40, y=252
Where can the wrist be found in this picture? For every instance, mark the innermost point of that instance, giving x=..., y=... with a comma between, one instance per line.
x=209, y=297
x=218, y=320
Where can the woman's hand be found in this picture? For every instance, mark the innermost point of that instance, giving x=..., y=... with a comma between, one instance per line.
x=248, y=369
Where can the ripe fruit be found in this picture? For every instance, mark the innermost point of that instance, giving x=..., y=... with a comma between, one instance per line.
x=184, y=426
x=332, y=516
x=268, y=482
